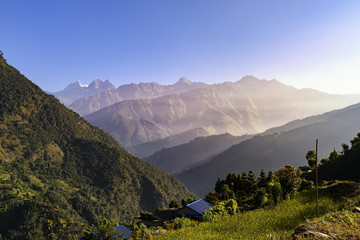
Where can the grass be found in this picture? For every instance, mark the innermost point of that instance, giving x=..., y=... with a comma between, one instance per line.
x=276, y=222
x=339, y=225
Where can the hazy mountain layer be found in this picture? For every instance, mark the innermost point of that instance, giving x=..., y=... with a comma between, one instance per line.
x=278, y=149
x=187, y=155
x=76, y=90
x=54, y=165
x=131, y=91
x=146, y=149
x=245, y=107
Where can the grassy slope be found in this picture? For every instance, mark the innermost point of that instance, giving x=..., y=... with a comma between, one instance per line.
x=268, y=223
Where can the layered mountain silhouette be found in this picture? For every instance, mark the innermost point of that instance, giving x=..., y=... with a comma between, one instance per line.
x=54, y=165
x=178, y=158
x=76, y=90
x=247, y=106
x=131, y=91
x=285, y=145
x=146, y=149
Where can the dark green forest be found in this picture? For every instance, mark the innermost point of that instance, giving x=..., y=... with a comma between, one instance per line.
x=59, y=172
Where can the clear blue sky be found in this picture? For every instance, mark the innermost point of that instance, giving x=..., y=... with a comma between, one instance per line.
x=303, y=43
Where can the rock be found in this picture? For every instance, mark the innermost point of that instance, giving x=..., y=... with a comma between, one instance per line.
x=302, y=232
x=316, y=235
x=356, y=209
x=162, y=231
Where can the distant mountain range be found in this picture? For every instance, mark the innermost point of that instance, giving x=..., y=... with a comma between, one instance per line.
x=94, y=102
x=76, y=91
x=247, y=106
x=285, y=145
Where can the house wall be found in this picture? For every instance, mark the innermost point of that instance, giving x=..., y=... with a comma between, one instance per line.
x=186, y=211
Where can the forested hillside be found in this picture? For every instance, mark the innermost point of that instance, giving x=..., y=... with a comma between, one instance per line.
x=55, y=167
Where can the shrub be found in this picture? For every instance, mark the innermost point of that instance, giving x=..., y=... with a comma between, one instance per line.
x=182, y=222
x=306, y=185
x=223, y=208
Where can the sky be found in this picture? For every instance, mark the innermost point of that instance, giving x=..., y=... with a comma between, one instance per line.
x=302, y=43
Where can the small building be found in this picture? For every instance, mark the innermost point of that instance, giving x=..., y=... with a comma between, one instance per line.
x=193, y=210
x=158, y=218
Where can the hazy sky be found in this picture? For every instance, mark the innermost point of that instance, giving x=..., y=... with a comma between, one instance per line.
x=305, y=43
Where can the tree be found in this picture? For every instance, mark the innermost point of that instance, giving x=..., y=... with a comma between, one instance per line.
x=106, y=230
x=289, y=179
x=311, y=158
x=226, y=193
x=333, y=155
x=345, y=148
x=270, y=177
x=275, y=191
x=263, y=180
x=212, y=198
x=187, y=201
x=174, y=204
x=251, y=183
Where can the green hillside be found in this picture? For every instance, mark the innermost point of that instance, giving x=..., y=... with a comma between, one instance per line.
x=280, y=221
x=56, y=167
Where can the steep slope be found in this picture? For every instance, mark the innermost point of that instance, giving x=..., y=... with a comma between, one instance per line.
x=146, y=149
x=186, y=155
x=277, y=149
x=56, y=166
x=247, y=106
x=131, y=91
x=76, y=90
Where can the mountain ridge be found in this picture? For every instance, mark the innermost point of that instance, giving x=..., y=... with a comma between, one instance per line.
x=131, y=91
x=245, y=107
x=76, y=90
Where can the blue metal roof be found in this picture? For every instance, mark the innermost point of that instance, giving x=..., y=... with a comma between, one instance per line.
x=125, y=230
x=200, y=206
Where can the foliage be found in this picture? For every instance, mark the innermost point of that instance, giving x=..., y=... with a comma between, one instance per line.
x=227, y=207
x=186, y=201
x=289, y=179
x=246, y=188
x=174, y=204
x=275, y=192
x=53, y=161
x=182, y=222
x=272, y=222
x=106, y=230
x=342, y=165
x=140, y=232
x=311, y=158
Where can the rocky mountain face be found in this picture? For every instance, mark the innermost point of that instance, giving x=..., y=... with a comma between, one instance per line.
x=76, y=90
x=248, y=106
x=131, y=91
x=285, y=145
x=56, y=166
